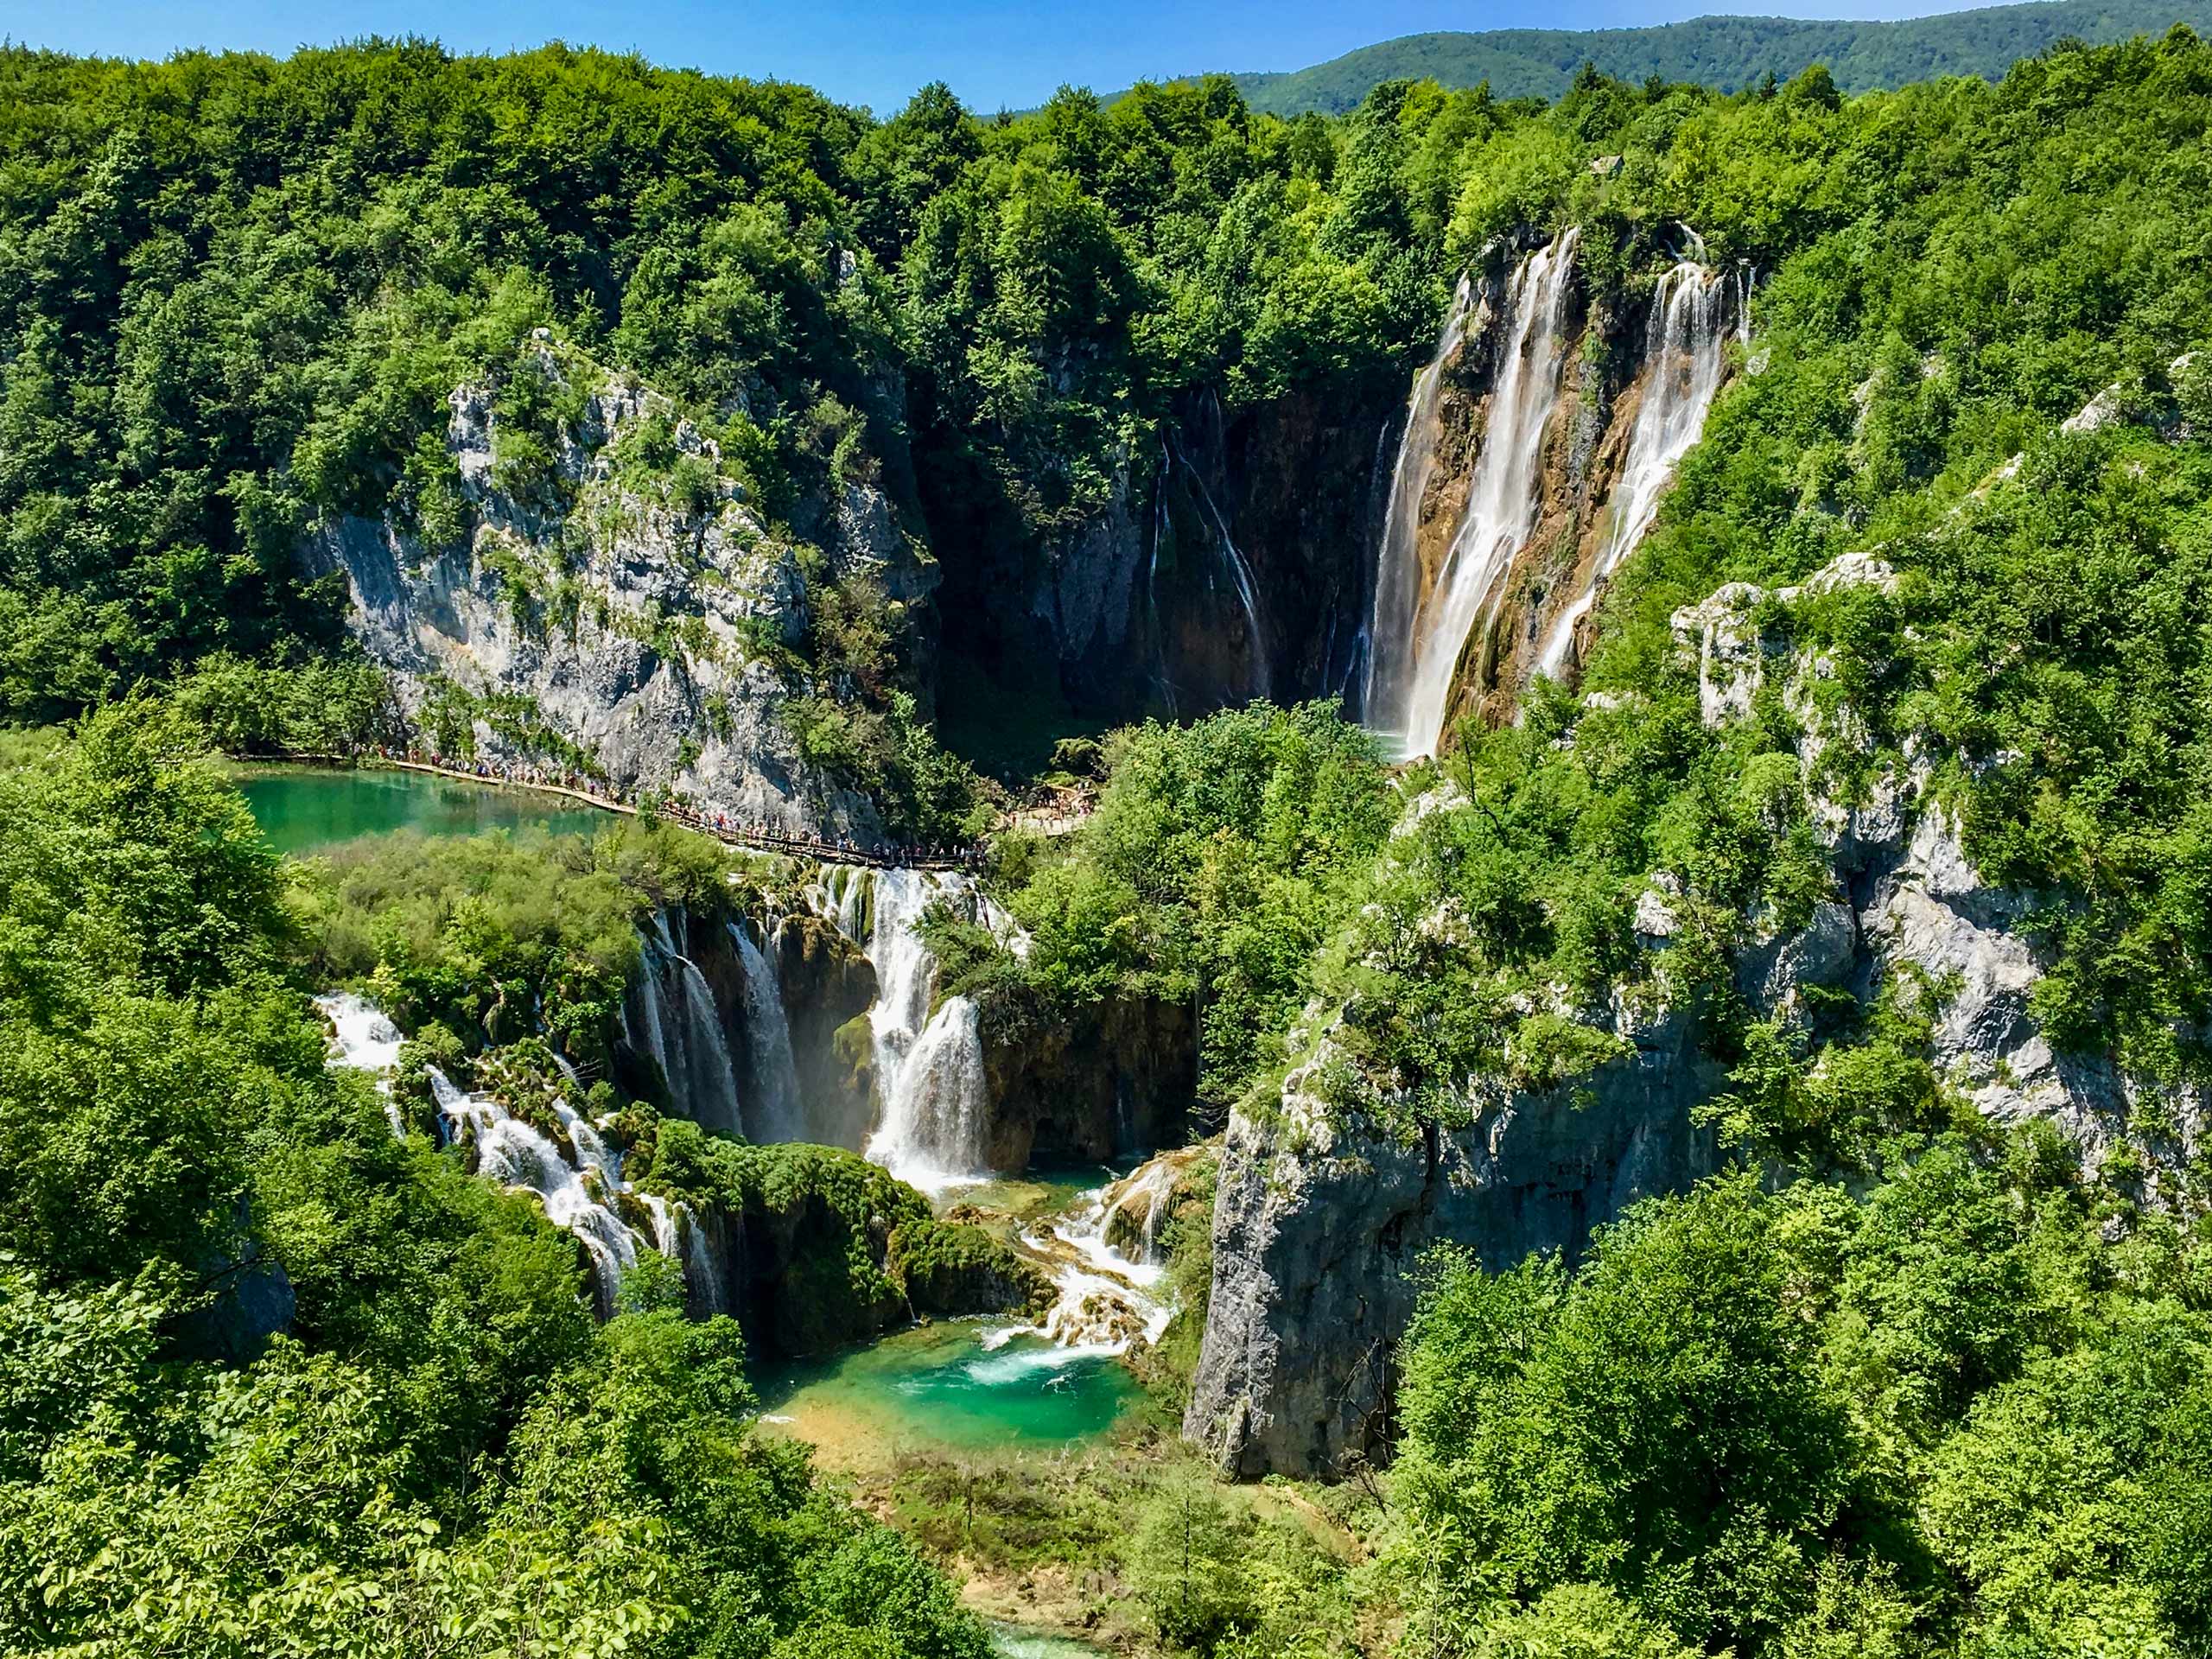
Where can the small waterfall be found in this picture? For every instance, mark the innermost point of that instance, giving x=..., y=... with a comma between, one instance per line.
x=1684, y=359
x=1105, y=1299
x=1151, y=589
x=777, y=1114
x=671, y=1014
x=511, y=1153
x=1240, y=574
x=1415, y=694
x=364, y=1040
x=1398, y=566
x=844, y=895
x=1138, y=1205
x=936, y=1112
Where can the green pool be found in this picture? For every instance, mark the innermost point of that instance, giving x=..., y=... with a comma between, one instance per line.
x=940, y=1388
x=306, y=809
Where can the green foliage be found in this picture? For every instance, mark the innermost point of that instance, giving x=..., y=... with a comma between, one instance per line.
x=438, y=1450
x=1728, y=52
x=336, y=705
x=1931, y=1419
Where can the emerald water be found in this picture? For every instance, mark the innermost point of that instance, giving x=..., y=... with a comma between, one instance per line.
x=938, y=1387
x=303, y=810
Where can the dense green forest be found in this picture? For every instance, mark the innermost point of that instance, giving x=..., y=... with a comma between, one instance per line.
x=1897, y=1381
x=1727, y=53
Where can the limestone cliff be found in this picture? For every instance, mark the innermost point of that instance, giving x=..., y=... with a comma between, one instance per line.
x=1228, y=562
x=621, y=609
x=1320, y=1216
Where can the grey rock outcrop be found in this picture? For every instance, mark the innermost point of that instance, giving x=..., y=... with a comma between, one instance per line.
x=1319, y=1221
x=1319, y=1217
x=624, y=618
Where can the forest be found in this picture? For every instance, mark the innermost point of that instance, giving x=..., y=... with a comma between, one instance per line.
x=1908, y=1353
x=1729, y=54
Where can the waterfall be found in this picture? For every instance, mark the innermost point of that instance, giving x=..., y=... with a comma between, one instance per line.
x=1240, y=574
x=1151, y=589
x=1684, y=358
x=511, y=1153
x=777, y=1114
x=364, y=1040
x=671, y=1014
x=937, y=1113
x=1105, y=1301
x=1397, y=567
x=932, y=1099
x=1415, y=694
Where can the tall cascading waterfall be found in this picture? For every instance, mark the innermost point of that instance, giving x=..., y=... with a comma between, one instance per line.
x=669, y=1014
x=937, y=1113
x=1387, y=680
x=1684, y=357
x=774, y=1110
x=1414, y=671
x=932, y=1098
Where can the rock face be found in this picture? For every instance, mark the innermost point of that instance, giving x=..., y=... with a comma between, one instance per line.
x=1318, y=1219
x=1224, y=564
x=622, y=614
x=1117, y=1081
x=1317, y=1224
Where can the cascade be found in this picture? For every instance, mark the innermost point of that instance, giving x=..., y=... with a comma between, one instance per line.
x=778, y=1113
x=1144, y=1197
x=1684, y=359
x=1397, y=568
x=669, y=1014
x=1105, y=1301
x=511, y=1153
x=1414, y=671
x=578, y=1188
x=364, y=1041
x=936, y=1112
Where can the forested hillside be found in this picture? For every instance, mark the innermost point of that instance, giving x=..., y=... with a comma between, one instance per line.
x=1727, y=53
x=1709, y=1151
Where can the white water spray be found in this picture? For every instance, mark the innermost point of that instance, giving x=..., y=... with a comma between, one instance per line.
x=1416, y=694
x=1397, y=570
x=1684, y=360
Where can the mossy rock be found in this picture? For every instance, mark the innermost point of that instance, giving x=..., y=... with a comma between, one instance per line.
x=950, y=1268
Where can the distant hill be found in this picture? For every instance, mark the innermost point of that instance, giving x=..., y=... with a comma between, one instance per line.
x=1722, y=52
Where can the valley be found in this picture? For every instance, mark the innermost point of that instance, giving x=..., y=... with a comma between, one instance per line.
x=1431, y=882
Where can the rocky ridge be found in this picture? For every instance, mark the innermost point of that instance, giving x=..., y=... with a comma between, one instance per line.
x=1320, y=1217
x=629, y=614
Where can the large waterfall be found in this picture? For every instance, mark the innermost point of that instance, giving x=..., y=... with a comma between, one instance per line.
x=1414, y=670
x=936, y=1112
x=1684, y=357
x=1398, y=584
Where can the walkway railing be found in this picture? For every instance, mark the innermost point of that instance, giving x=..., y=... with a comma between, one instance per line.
x=733, y=832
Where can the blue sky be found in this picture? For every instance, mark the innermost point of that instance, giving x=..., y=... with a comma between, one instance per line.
x=993, y=53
